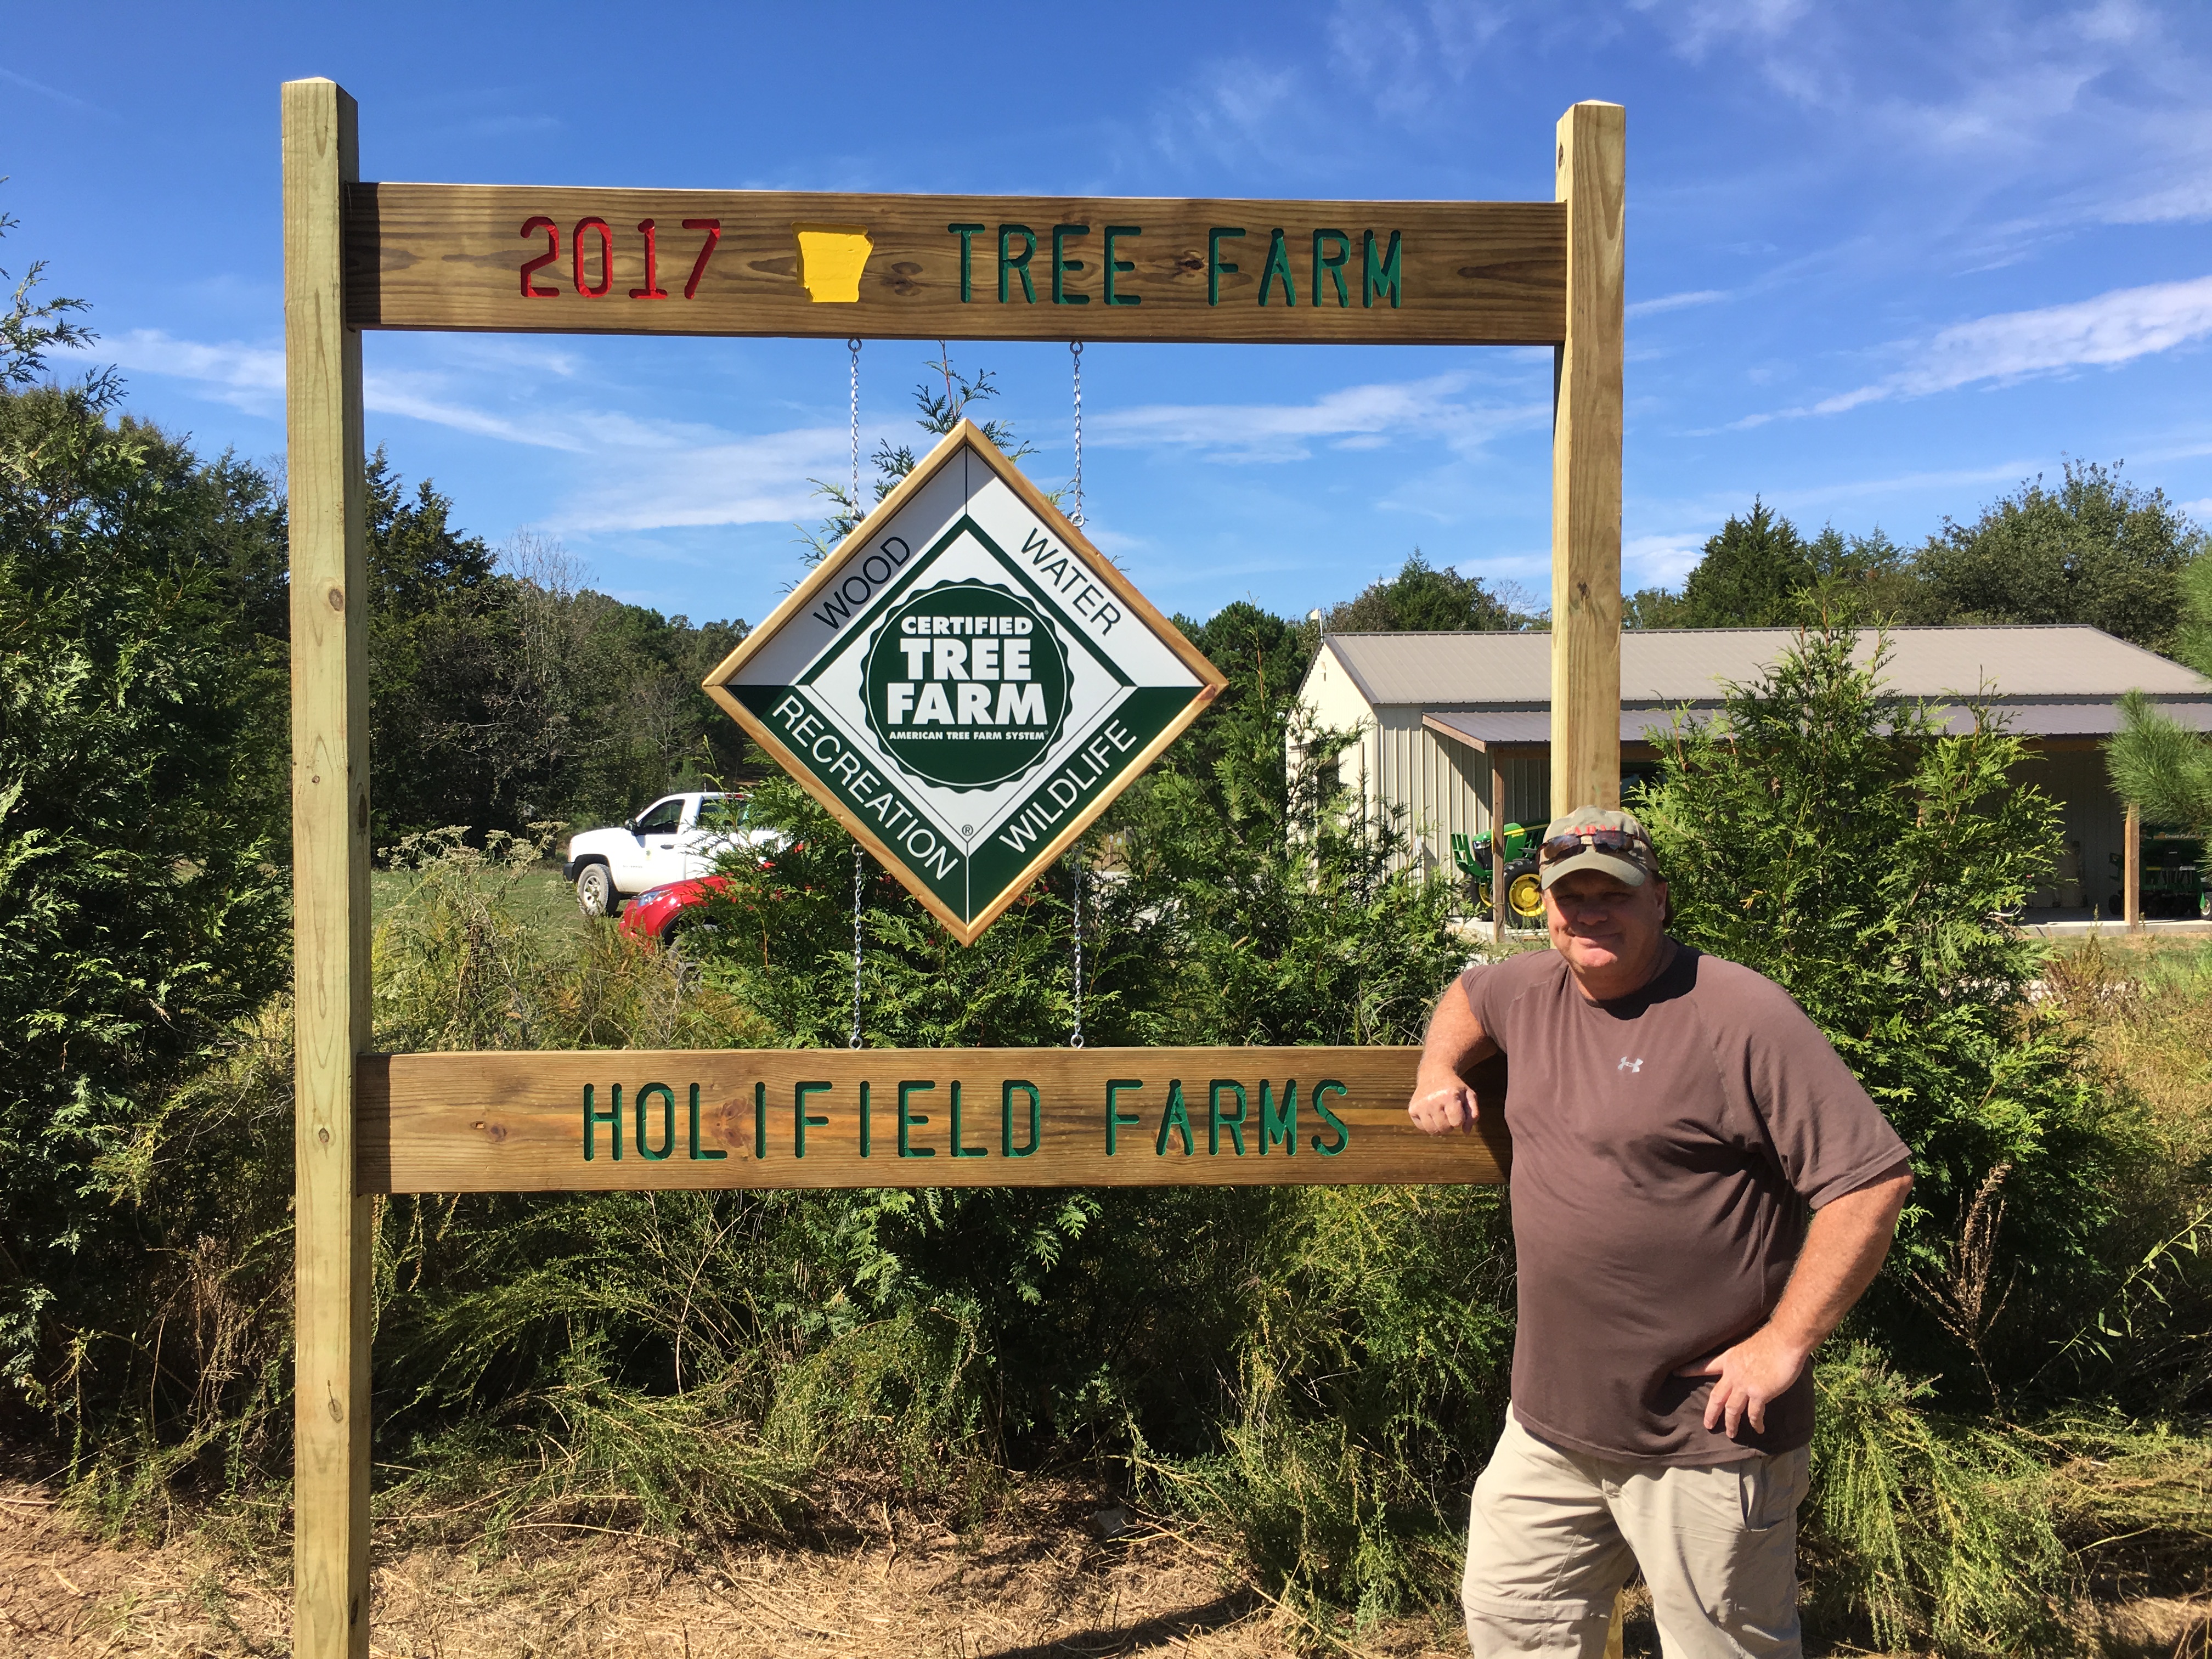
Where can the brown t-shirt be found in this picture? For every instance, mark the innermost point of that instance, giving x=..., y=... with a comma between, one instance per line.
x=1665, y=1147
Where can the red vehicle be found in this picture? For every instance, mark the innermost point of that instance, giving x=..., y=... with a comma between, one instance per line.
x=661, y=913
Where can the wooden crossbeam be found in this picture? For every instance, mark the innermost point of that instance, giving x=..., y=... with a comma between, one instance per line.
x=634, y=1120
x=578, y=261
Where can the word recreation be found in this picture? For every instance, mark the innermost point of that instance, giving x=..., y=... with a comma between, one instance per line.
x=1272, y=1121
x=966, y=683
x=1320, y=260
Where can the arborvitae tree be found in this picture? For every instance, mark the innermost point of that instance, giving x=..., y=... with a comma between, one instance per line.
x=1750, y=576
x=1424, y=599
x=2096, y=549
x=142, y=897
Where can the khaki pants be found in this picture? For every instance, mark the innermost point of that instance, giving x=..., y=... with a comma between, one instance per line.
x=1554, y=1533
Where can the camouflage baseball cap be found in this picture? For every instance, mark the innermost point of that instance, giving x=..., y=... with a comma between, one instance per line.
x=1592, y=838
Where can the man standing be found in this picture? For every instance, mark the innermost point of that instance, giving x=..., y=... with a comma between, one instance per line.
x=1672, y=1116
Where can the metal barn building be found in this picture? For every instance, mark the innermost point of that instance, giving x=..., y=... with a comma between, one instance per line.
x=1450, y=723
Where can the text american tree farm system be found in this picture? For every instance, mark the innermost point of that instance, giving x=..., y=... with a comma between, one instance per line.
x=965, y=682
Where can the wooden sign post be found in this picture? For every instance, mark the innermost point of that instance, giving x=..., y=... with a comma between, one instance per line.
x=360, y=255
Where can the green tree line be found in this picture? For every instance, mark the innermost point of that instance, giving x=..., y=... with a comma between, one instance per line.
x=2096, y=549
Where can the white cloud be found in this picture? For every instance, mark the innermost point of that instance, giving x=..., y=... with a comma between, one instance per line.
x=1660, y=561
x=251, y=378
x=1699, y=25
x=1356, y=417
x=248, y=377
x=2184, y=202
x=630, y=474
x=2111, y=329
x=54, y=93
x=1404, y=57
x=1703, y=296
x=641, y=480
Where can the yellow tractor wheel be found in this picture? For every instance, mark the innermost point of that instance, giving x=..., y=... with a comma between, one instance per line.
x=1526, y=895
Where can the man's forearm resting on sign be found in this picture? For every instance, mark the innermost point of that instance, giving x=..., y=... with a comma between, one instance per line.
x=1843, y=1251
x=1455, y=1041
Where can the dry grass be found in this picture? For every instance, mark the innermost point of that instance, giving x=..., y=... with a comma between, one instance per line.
x=1033, y=1580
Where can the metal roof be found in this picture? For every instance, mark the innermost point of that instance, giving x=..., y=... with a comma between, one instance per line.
x=2057, y=665
x=1478, y=728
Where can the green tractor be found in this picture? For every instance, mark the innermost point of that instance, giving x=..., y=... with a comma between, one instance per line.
x=2177, y=877
x=1524, y=891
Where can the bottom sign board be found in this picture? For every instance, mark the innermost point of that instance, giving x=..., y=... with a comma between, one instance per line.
x=649, y=1120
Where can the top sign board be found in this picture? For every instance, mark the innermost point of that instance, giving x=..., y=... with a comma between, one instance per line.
x=966, y=683
x=569, y=260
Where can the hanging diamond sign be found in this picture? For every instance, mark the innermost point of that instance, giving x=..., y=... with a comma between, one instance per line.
x=966, y=683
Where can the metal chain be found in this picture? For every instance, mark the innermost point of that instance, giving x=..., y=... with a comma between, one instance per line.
x=853, y=345
x=1075, y=861
x=1075, y=353
x=857, y=856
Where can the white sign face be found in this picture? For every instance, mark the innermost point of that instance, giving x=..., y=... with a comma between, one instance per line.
x=966, y=683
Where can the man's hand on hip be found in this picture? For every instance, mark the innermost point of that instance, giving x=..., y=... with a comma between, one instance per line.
x=1756, y=1371
x=1843, y=1251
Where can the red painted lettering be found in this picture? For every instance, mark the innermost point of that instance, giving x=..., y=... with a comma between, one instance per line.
x=714, y=229
x=598, y=228
x=530, y=267
x=652, y=289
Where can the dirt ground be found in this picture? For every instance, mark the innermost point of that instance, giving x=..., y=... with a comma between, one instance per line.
x=1041, y=1584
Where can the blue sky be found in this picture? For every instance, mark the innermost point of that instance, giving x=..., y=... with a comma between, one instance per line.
x=1884, y=259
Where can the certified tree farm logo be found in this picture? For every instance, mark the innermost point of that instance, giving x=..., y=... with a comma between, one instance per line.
x=965, y=682
x=966, y=685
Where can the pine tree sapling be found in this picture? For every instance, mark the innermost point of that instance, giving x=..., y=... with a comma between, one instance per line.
x=2157, y=763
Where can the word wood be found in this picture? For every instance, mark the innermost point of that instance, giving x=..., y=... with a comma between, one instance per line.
x=922, y=1117
x=964, y=267
x=966, y=683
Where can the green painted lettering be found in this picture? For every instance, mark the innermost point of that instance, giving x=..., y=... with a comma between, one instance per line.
x=1113, y=265
x=967, y=235
x=911, y=1120
x=958, y=1150
x=801, y=1119
x=1061, y=264
x=1279, y=1127
x=1382, y=278
x=1217, y=1120
x=865, y=1125
x=612, y=1117
x=700, y=1155
x=1278, y=265
x=1175, y=1118
x=760, y=1121
x=1021, y=266
x=1006, y=1119
x=1215, y=266
x=667, y=1121
x=1116, y=1119
x=1321, y=1105
x=1334, y=266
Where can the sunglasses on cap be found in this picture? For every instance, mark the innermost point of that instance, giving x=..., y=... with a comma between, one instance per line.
x=1603, y=840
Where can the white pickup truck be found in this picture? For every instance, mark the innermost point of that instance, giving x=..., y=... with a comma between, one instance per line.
x=678, y=838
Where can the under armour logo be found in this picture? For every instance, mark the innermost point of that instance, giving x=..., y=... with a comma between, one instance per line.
x=1628, y=1064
